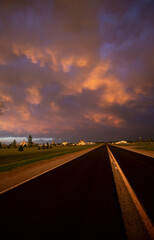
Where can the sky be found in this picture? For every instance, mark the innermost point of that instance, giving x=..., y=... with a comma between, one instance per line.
x=77, y=69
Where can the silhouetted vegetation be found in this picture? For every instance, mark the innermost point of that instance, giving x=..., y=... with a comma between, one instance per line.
x=30, y=142
x=20, y=148
x=47, y=146
x=13, y=144
x=43, y=146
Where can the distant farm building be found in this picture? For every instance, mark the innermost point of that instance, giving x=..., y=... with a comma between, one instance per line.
x=24, y=143
x=90, y=143
x=64, y=143
x=81, y=142
x=121, y=142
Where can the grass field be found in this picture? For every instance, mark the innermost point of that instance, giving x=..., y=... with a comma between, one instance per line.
x=143, y=145
x=11, y=158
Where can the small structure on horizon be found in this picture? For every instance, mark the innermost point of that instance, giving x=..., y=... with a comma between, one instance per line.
x=81, y=142
x=121, y=142
x=64, y=143
x=90, y=143
x=24, y=143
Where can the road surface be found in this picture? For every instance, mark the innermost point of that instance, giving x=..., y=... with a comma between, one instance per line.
x=78, y=199
x=75, y=200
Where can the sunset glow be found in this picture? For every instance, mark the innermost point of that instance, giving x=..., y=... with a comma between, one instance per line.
x=75, y=70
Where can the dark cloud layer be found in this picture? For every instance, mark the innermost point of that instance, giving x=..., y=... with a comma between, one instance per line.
x=77, y=69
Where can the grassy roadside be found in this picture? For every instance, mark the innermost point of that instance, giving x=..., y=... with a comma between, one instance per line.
x=11, y=158
x=148, y=148
x=143, y=146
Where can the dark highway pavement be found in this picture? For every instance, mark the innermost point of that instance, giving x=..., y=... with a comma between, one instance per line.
x=139, y=170
x=75, y=200
x=78, y=199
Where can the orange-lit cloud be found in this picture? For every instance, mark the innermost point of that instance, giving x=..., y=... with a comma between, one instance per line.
x=23, y=122
x=6, y=98
x=54, y=107
x=113, y=89
x=33, y=95
x=96, y=78
x=73, y=61
x=24, y=113
x=49, y=56
x=104, y=119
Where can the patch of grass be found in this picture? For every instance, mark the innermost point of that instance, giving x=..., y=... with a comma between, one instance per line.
x=149, y=148
x=11, y=158
x=140, y=145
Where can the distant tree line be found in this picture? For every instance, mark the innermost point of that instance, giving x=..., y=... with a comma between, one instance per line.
x=45, y=146
x=140, y=139
x=30, y=143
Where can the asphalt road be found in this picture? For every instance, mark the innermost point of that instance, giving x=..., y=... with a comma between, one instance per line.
x=139, y=170
x=75, y=200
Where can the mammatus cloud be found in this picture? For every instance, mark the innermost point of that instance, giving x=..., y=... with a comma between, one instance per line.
x=105, y=119
x=72, y=70
x=101, y=78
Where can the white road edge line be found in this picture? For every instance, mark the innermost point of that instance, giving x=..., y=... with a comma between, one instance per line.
x=147, y=223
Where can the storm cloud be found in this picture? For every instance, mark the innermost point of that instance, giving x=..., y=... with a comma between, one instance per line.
x=77, y=69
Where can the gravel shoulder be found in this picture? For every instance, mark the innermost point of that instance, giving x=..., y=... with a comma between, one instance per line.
x=17, y=176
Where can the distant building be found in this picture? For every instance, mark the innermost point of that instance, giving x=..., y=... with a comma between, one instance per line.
x=72, y=144
x=53, y=143
x=24, y=143
x=121, y=142
x=81, y=142
x=90, y=143
x=64, y=143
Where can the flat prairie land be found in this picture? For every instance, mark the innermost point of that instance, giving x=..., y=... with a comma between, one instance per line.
x=11, y=158
x=143, y=146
